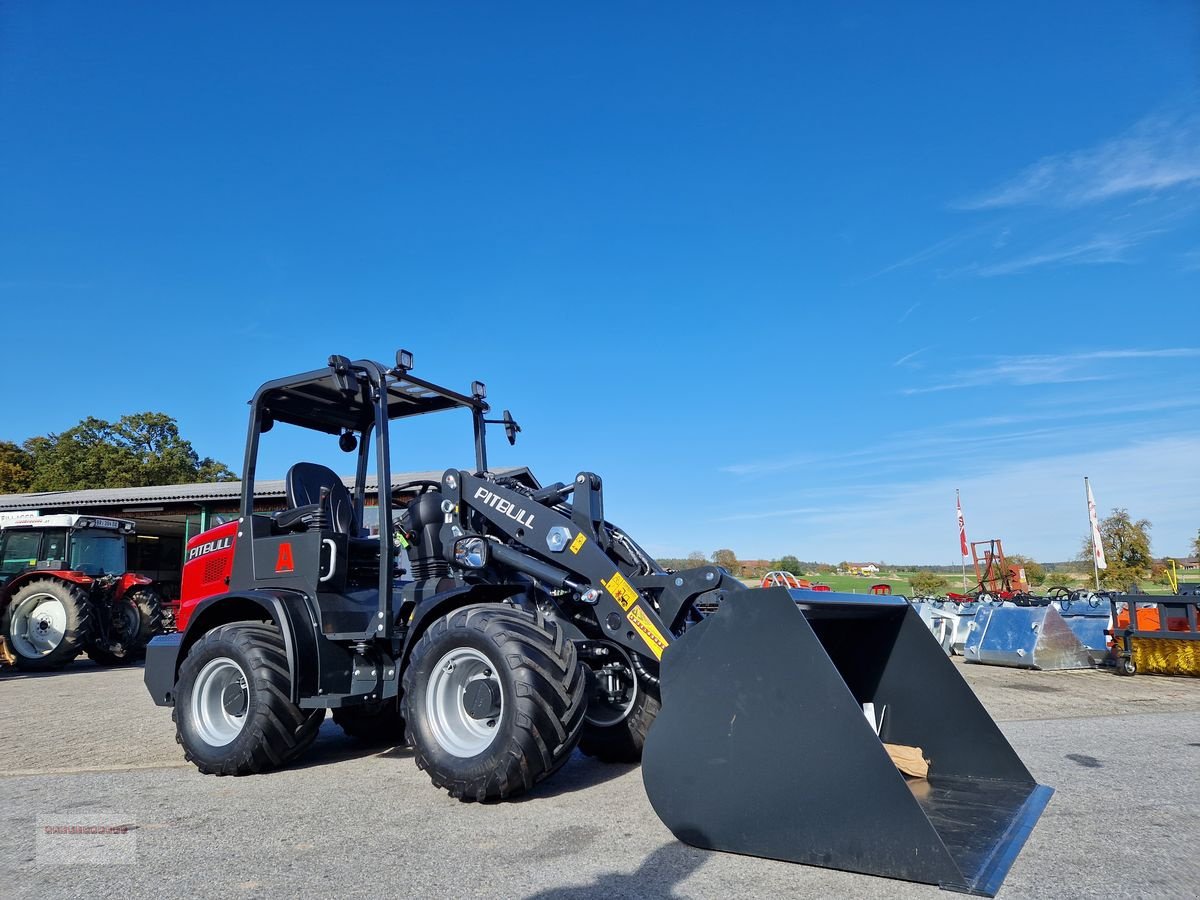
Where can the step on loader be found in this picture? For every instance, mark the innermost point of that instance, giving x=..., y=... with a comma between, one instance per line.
x=496, y=624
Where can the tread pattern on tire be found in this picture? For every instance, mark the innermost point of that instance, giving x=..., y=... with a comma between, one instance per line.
x=74, y=639
x=551, y=699
x=279, y=731
x=623, y=741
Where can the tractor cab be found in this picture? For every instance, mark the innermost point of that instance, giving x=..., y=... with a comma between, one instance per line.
x=89, y=545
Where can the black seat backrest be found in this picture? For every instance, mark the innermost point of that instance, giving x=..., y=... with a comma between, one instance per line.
x=303, y=486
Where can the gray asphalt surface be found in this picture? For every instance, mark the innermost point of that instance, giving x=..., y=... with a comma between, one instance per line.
x=1122, y=753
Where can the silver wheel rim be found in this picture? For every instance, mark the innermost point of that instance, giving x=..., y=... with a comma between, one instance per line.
x=455, y=731
x=220, y=700
x=38, y=625
x=607, y=714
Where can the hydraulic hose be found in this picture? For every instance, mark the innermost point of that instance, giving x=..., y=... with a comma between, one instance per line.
x=642, y=672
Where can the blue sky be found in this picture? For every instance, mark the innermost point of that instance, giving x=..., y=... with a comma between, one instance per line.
x=785, y=276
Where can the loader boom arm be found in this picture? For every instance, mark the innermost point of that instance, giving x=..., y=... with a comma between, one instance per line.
x=570, y=550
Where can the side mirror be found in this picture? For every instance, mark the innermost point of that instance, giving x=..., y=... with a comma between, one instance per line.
x=471, y=552
x=511, y=428
x=266, y=420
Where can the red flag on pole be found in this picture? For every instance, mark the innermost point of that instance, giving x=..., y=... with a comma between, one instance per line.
x=962, y=528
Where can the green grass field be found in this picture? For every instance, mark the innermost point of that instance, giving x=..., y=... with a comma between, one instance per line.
x=900, y=583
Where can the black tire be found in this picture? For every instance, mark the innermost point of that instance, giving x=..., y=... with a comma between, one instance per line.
x=372, y=723
x=273, y=730
x=133, y=621
x=623, y=742
x=24, y=644
x=542, y=701
x=1126, y=667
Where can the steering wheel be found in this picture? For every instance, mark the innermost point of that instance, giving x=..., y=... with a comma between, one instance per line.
x=425, y=484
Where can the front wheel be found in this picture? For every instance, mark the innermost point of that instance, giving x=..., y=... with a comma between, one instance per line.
x=494, y=698
x=233, y=713
x=48, y=623
x=621, y=706
x=132, y=622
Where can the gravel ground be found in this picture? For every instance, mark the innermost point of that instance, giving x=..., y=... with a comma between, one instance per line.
x=1122, y=753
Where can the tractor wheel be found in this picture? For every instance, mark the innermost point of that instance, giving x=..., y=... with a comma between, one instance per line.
x=133, y=620
x=373, y=723
x=47, y=624
x=494, y=698
x=620, y=710
x=233, y=713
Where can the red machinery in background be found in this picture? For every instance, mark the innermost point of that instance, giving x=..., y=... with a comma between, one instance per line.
x=994, y=575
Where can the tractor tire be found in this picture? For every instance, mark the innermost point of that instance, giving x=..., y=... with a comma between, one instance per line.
x=47, y=624
x=623, y=742
x=372, y=723
x=494, y=698
x=133, y=621
x=614, y=729
x=233, y=711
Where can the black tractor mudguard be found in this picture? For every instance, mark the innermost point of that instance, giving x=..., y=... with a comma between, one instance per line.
x=288, y=610
x=763, y=746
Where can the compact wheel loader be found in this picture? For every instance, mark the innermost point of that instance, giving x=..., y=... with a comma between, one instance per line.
x=524, y=624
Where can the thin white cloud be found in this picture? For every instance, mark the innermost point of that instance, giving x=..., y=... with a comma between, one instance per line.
x=1158, y=153
x=909, y=356
x=925, y=254
x=1034, y=369
x=770, y=514
x=1035, y=505
x=1097, y=251
x=908, y=312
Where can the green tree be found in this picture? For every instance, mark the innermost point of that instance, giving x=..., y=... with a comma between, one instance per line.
x=789, y=563
x=1196, y=546
x=135, y=451
x=726, y=559
x=927, y=584
x=1126, y=549
x=16, y=468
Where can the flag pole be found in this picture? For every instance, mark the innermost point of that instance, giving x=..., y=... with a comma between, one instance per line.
x=961, y=558
x=1092, y=530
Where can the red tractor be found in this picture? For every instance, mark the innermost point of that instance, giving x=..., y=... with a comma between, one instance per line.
x=64, y=589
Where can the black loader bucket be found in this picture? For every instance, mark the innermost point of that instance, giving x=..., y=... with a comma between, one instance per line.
x=763, y=746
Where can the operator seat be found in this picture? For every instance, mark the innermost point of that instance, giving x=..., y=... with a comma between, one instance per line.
x=303, y=486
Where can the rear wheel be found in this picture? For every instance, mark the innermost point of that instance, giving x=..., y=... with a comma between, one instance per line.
x=494, y=698
x=233, y=710
x=47, y=624
x=373, y=723
x=621, y=707
x=132, y=622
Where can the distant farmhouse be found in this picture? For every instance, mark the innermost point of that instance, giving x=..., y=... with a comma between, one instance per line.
x=862, y=568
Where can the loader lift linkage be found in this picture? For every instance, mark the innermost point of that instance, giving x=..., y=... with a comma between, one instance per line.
x=527, y=624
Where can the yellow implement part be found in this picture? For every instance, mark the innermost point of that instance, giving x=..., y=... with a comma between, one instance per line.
x=1162, y=656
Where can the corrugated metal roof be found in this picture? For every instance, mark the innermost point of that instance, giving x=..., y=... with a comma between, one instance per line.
x=194, y=493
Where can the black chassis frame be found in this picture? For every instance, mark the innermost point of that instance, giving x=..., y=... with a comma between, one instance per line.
x=331, y=666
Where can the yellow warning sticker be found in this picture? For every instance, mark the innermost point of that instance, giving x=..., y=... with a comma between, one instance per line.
x=621, y=590
x=644, y=626
x=577, y=544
